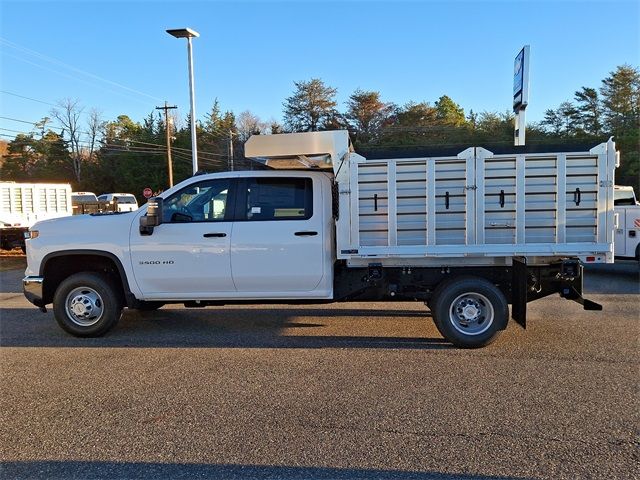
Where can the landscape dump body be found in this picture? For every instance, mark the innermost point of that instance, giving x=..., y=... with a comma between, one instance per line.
x=522, y=220
x=478, y=206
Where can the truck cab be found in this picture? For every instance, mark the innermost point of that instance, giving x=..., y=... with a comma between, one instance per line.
x=251, y=235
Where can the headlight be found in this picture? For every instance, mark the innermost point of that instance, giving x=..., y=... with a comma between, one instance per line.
x=31, y=234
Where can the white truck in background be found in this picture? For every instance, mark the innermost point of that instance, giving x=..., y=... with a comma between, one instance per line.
x=23, y=204
x=627, y=236
x=467, y=234
x=120, y=202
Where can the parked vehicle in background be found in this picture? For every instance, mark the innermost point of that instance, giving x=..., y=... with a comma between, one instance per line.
x=627, y=237
x=122, y=202
x=87, y=202
x=467, y=234
x=23, y=204
x=83, y=197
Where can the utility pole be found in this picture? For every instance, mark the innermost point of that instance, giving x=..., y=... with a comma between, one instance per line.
x=231, y=150
x=166, y=109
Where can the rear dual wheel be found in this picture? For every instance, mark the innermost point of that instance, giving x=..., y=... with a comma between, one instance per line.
x=470, y=312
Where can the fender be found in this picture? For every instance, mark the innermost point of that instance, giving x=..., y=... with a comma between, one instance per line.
x=130, y=298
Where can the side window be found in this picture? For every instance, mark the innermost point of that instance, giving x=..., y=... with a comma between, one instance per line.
x=279, y=199
x=201, y=202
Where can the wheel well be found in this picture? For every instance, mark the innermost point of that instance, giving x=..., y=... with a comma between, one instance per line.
x=498, y=280
x=61, y=267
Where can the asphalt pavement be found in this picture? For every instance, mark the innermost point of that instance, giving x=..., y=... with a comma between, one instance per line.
x=345, y=391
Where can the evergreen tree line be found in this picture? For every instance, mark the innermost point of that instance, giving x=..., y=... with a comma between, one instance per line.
x=126, y=156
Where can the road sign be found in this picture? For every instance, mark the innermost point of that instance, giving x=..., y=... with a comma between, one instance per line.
x=521, y=80
x=147, y=192
x=520, y=94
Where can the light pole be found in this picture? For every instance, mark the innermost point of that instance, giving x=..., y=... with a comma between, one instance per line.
x=189, y=34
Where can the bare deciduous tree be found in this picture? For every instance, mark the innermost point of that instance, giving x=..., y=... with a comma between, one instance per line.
x=249, y=124
x=95, y=126
x=68, y=114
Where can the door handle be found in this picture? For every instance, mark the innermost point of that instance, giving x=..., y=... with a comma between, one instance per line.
x=305, y=234
x=209, y=235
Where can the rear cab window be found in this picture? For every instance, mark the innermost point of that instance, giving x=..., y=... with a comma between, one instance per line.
x=129, y=199
x=277, y=198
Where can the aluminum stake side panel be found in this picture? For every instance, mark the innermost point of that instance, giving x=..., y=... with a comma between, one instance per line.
x=478, y=204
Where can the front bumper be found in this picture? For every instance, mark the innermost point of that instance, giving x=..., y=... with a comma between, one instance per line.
x=32, y=287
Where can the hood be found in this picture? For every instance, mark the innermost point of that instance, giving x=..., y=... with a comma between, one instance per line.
x=93, y=228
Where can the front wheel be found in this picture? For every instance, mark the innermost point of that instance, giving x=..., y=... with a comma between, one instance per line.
x=470, y=312
x=87, y=305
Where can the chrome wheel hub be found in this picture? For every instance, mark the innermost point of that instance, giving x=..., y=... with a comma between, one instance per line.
x=471, y=313
x=84, y=306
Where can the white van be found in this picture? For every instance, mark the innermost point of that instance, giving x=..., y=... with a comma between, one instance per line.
x=125, y=202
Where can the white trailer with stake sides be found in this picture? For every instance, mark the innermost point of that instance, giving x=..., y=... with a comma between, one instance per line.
x=467, y=234
x=23, y=204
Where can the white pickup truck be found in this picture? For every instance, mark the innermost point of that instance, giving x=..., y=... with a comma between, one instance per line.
x=467, y=234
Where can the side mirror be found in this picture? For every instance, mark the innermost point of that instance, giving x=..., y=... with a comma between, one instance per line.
x=153, y=218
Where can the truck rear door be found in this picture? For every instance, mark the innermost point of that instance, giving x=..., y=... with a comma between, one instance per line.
x=277, y=243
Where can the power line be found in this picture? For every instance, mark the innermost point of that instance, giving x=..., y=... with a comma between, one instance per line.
x=15, y=131
x=124, y=140
x=16, y=120
x=123, y=148
x=71, y=67
x=130, y=148
x=27, y=98
x=177, y=148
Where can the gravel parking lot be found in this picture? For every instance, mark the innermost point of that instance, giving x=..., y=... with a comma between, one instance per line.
x=351, y=390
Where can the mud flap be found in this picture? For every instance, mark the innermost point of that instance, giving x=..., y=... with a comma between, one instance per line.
x=519, y=291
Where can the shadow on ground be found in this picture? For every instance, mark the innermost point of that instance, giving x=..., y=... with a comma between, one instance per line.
x=622, y=277
x=215, y=328
x=177, y=471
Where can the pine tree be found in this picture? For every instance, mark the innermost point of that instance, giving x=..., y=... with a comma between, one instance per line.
x=310, y=107
x=367, y=113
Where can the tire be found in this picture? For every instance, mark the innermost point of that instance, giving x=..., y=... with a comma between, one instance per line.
x=148, y=306
x=470, y=312
x=87, y=304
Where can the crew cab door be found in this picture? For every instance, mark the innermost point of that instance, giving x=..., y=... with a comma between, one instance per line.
x=277, y=243
x=187, y=256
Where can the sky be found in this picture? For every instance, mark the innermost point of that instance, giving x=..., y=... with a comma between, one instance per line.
x=116, y=57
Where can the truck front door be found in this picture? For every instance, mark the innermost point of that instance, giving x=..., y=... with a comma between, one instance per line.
x=187, y=256
x=277, y=243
